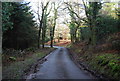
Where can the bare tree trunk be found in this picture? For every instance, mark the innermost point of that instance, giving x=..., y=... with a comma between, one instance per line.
x=51, y=44
x=41, y=20
x=58, y=39
x=39, y=34
x=52, y=38
x=40, y=28
x=42, y=38
x=52, y=34
x=76, y=33
x=44, y=30
x=55, y=17
x=44, y=26
x=72, y=38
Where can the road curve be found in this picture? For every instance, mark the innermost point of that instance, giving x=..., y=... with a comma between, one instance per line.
x=59, y=66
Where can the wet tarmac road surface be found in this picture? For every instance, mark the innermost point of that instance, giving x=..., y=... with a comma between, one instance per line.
x=60, y=66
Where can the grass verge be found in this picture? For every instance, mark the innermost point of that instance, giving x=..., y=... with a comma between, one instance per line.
x=16, y=69
x=105, y=64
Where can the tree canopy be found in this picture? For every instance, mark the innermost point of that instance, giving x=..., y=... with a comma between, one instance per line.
x=18, y=25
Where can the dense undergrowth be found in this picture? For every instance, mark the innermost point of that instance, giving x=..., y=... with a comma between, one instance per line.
x=103, y=59
x=15, y=63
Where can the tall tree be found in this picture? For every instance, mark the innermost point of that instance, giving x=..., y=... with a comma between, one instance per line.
x=75, y=19
x=52, y=31
x=91, y=11
x=23, y=33
x=42, y=22
x=44, y=27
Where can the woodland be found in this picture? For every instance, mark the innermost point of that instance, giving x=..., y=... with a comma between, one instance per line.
x=94, y=33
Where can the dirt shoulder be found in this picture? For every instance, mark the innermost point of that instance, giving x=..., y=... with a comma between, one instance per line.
x=102, y=64
x=17, y=66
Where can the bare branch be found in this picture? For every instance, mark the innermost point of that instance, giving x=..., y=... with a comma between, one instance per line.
x=49, y=11
x=73, y=12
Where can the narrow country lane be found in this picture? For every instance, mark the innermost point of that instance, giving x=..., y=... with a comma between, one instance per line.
x=59, y=66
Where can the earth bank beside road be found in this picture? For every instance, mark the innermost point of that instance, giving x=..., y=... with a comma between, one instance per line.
x=21, y=65
x=101, y=64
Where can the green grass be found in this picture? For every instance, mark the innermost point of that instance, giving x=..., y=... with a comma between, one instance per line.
x=16, y=69
x=107, y=64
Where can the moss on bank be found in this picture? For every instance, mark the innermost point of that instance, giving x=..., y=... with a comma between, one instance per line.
x=106, y=64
